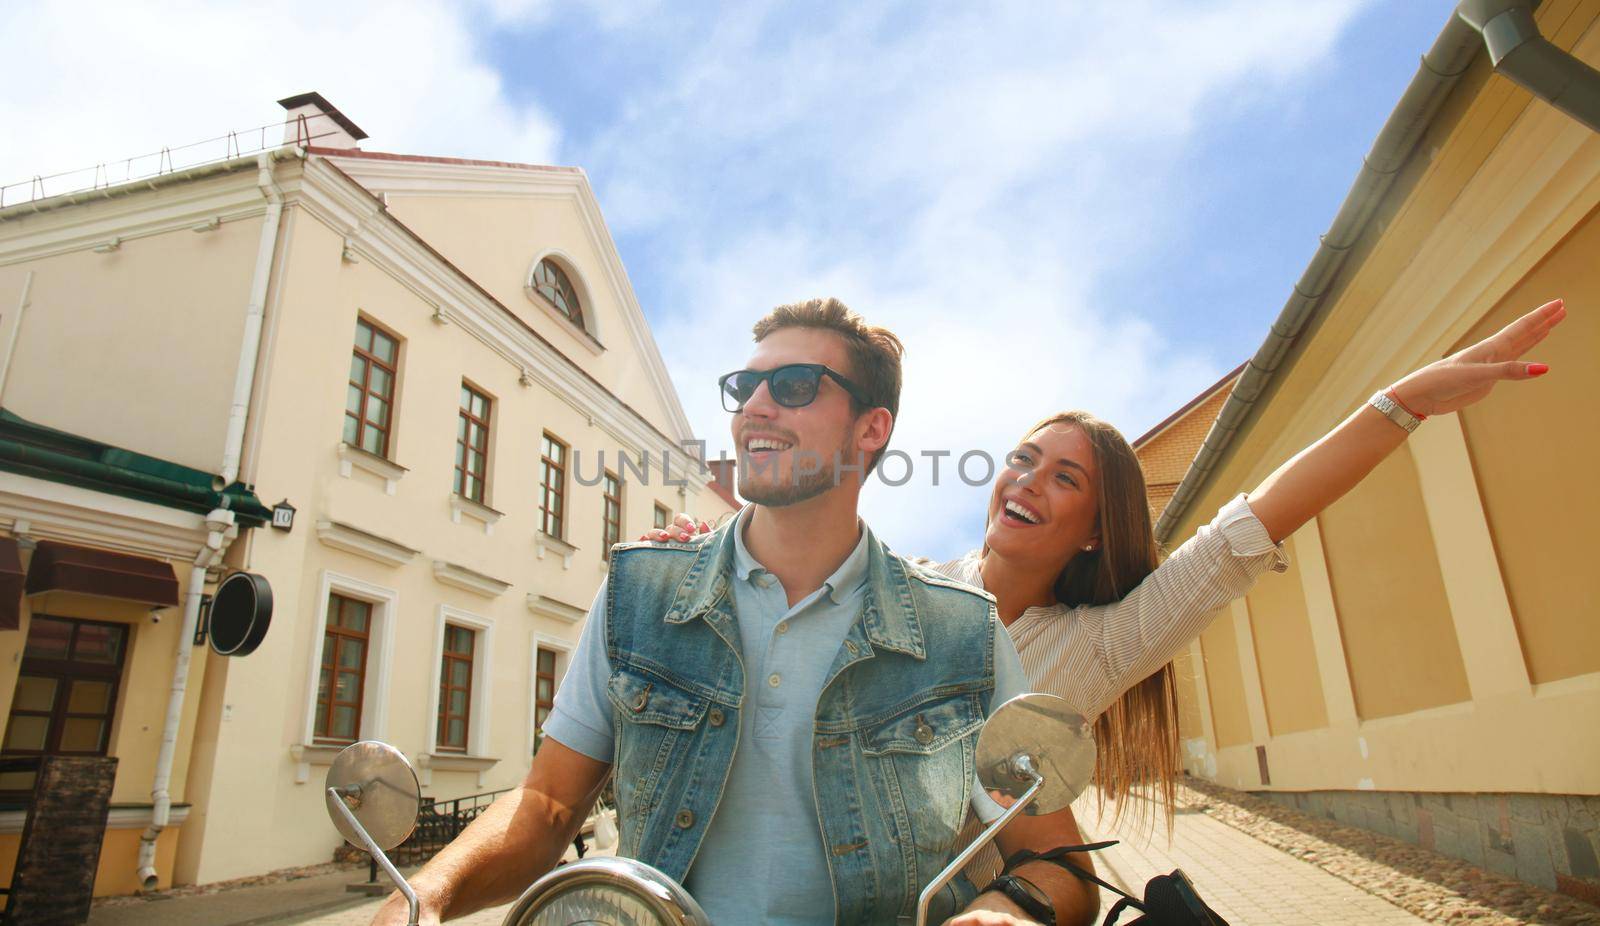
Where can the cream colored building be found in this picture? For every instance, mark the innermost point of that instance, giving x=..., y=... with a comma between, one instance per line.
x=451, y=366
x=1429, y=666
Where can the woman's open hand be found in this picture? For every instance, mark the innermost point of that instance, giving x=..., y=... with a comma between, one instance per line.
x=1465, y=377
x=683, y=528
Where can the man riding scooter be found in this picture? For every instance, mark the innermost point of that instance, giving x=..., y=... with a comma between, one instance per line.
x=791, y=711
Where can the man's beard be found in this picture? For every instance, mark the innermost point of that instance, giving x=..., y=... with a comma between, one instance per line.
x=798, y=487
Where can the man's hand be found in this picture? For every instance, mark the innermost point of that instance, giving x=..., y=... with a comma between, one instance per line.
x=395, y=912
x=1467, y=376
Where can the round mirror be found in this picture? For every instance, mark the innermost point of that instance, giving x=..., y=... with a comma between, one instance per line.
x=1058, y=742
x=606, y=892
x=379, y=787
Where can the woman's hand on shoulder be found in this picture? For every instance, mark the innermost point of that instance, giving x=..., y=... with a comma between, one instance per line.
x=1468, y=375
x=683, y=528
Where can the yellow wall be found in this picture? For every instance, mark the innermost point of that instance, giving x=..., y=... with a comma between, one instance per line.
x=117, y=872
x=1393, y=615
x=1447, y=600
x=80, y=367
x=1285, y=653
x=1531, y=459
x=1230, y=716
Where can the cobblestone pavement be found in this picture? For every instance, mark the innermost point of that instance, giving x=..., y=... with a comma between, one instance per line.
x=1246, y=881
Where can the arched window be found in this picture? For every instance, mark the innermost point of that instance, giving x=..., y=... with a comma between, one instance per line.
x=551, y=282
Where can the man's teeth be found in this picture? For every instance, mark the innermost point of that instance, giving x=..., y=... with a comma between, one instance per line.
x=1021, y=512
x=762, y=443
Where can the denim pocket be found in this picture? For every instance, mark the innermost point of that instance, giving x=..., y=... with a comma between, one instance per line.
x=925, y=763
x=655, y=722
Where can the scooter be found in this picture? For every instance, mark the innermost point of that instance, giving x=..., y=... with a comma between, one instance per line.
x=1033, y=752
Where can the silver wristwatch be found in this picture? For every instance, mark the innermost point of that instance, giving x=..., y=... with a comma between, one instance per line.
x=1392, y=411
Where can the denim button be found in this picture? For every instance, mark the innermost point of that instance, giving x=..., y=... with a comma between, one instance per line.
x=684, y=819
x=923, y=733
x=715, y=717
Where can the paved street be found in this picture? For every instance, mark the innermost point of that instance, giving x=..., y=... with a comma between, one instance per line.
x=1246, y=881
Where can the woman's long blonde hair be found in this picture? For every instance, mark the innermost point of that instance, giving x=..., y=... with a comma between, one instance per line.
x=1137, y=736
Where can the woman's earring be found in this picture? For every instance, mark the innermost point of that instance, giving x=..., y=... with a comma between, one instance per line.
x=1088, y=548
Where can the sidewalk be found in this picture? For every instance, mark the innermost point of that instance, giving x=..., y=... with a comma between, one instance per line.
x=1246, y=881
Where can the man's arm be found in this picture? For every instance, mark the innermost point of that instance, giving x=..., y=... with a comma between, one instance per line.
x=519, y=837
x=1076, y=902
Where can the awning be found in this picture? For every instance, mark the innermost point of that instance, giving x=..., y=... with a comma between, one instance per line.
x=10, y=584
x=67, y=568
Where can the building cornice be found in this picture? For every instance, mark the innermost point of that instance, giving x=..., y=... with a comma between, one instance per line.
x=352, y=539
x=468, y=579
x=43, y=510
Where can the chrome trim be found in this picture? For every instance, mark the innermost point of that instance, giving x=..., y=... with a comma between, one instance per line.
x=667, y=899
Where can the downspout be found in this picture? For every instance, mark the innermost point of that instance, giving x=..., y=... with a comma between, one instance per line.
x=16, y=329
x=1519, y=52
x=220, y=527
x=220, y=523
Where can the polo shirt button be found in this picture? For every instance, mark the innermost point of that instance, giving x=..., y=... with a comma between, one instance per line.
x=715, y=717
x=774, y=680
x=783, y=627
x=684, y=819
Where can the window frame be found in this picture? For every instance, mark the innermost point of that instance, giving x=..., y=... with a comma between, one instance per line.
x=65, y=672
x=339, y=634
x=447, y=658
x=570, y=292
x=558, y=490
x=374, y=720
x=564, y=650
x=662, y=516
x=465, y=420
x=479, y=704
x=370, y=359
x=610, y=527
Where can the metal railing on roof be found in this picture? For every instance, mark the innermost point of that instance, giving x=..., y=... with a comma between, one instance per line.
x=108, y=174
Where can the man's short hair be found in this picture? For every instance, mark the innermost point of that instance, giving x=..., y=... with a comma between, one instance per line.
x=874, y=352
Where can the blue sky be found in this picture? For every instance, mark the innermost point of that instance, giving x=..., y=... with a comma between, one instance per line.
x=1069, y=205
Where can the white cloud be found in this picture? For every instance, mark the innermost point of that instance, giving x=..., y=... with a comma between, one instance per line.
x=964, y=179
x=101, y=82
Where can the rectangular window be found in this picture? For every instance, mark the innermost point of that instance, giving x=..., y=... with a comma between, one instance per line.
x=611, y=530
x=472, y=444
x=455, y=688
x=553, y=485
x=369, y=397
x=663, y=516
x=66, y=692
x=544, y=695
x=344, y=670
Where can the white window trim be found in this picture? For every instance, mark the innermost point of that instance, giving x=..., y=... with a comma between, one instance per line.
x=569, y=266
x=380, y=659
x=563, y=650
x=478, y=724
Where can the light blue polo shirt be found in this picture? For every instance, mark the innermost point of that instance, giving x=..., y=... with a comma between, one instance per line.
x=762, y=859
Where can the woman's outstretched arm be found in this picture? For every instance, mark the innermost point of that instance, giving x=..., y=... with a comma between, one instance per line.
x=1321, y=474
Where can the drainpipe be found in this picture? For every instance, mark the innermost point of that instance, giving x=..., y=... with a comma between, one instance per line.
x=1519, y=52
x=220, y=522
x=245, y=379
x=220, y=527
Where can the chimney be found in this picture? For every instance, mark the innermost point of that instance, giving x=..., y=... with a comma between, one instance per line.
x=312, y=120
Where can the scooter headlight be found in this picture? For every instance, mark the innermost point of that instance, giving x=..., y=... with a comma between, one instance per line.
x=606, y=892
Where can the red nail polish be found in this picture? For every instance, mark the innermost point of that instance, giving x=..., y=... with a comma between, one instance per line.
x=1538, y=369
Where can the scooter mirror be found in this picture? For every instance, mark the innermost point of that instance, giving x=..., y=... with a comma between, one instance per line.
x=1056, y=742
x=380, y=789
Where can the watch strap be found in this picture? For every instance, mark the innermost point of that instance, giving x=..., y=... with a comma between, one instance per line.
x=1394, y=411
x=1026, y=895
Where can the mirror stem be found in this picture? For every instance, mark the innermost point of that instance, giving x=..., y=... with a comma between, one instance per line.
x=379, y=856
x=1023, y=763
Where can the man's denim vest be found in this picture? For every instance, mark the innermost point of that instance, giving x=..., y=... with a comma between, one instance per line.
x=896, y=725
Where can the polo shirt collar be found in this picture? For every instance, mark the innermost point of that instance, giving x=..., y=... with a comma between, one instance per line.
x=841, y=586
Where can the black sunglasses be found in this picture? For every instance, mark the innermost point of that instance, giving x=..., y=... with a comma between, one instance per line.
x=793, y=385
